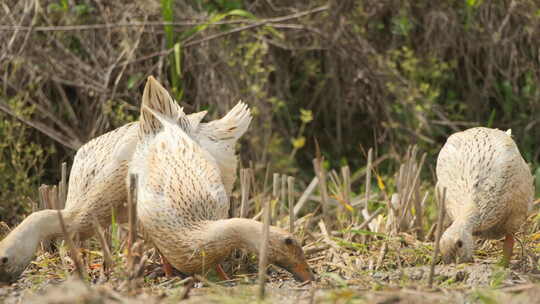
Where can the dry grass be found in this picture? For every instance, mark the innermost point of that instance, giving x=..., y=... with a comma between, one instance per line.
x=368, y=257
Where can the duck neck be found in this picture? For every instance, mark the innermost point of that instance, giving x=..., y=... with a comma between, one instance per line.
x=235, y=233
x=464, y=225
x=36, y=227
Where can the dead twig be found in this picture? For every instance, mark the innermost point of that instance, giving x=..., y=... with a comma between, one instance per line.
x=442, y=210
x=305, y=196
x=382, y=254
x=187, y=288
x=75, y=254
x=107, y=256
x=368, y=179
x=323, y=188
x=132, y=220
x=245, y=184
x=283, y=200
x=275, y=194
x=263, y=253
x=290, y=184
x=62, y=186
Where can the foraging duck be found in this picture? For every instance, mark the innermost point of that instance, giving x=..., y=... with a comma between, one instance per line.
x=489, y=190
x=97, y=184
x=183, y=203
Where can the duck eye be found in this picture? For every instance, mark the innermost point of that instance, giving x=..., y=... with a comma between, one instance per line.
x=459, y=244
x=4, y=260
x=289, y=241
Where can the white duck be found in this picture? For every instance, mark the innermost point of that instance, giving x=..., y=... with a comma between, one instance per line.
x=489, y=190
x=182, y=202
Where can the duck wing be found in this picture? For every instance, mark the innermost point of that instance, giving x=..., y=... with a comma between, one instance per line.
x=176, y=175
x=102, y=162
x=219, y=137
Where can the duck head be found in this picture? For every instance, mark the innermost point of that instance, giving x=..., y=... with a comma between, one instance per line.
x=19, y=247
x=14, y=257
x=457, y=244
x=286, y=252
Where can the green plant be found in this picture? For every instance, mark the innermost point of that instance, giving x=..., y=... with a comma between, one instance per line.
x=22, y=162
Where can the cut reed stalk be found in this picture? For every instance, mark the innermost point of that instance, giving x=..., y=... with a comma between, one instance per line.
x=53, y=197
x=132, y=218
x=245, y=188
x=442, y=210
x=75, y=255
x=62, y=186
x=283, y=201
x=44, y=197
x=323, y=189
x=431, y=232
x=107, y=256
x=290, y=184
x=382, y=254
x=263, y=253
x=305, y=196
x=139, y=268
x=346, y=178
x=368, y=179
x=408, y=182
x=275, y=194
x=44, y=204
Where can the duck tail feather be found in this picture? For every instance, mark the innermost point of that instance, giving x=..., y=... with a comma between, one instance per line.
x=157, y=106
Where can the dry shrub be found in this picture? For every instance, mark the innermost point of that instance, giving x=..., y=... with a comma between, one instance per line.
x=368, y=73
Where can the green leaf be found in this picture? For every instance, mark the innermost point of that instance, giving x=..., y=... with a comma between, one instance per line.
x=241, y=13
x=168, y=16
x=177, y=58
x=491, y=118
x=133, y=79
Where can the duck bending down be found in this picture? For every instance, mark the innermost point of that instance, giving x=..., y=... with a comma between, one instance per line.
x=97, y=184
x=489, y=190
x=182, y=202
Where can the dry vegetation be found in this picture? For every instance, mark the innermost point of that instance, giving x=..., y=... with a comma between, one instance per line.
x=326, y=80
x=372, y=250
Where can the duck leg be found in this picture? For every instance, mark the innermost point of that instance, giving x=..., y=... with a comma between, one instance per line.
x=508, y=247
x=221, y=273
x=167, y=267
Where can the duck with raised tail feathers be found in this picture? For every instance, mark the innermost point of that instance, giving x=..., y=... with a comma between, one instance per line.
x=97, y=184
x=182, y=201
x=489, y=190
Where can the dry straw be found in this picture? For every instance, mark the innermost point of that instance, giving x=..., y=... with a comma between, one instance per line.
x=263, y=253
x=290, y=184
x=441, y=199
x=75, y=255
